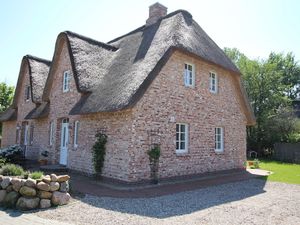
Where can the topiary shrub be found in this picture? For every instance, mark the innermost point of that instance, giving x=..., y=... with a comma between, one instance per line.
x=12, y=170
x=99, y=152
x=154, y=155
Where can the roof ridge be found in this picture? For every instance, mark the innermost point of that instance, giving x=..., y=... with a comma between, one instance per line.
x=91, y=41
x=144, y=26
x=46, y=61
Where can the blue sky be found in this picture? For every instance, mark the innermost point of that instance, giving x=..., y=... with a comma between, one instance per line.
x=255, y=27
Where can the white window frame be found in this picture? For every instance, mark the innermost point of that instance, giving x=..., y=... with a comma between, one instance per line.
x=213, y=82
x=76, y=130
x=66, y=81
x=51, y=133
x=189, y=75
x=26, y=135
x=219, y=143
x=186, y=138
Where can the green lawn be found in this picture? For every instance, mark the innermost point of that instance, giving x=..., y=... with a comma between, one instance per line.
x=282, y=172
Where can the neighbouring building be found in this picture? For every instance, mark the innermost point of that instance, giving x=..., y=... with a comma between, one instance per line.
x=166, y=83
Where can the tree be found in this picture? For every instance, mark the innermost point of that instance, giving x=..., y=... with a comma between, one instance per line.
x=271, y=85
x=6, y=97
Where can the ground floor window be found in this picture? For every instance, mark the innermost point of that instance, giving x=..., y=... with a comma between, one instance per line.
x=219, y=139
x=76, y=128
x=181, y=137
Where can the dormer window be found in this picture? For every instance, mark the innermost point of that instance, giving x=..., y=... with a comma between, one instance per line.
x=66, y=81
x=189, y=75
x=27, y=93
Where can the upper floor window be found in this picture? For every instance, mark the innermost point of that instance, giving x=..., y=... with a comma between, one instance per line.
x=189, y=75
x=66, y=81
x=219, y=139
x=27, y=93
x=181, y=138
x=76, y=125
x=213, y=84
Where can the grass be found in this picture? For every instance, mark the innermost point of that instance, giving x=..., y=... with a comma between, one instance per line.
x=12, y=170
x=282, y=172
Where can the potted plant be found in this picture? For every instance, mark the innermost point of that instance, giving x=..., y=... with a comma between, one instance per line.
x=154, y=154
x=44, y=161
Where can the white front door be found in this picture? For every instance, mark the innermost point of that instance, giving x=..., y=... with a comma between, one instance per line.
x=64, y=142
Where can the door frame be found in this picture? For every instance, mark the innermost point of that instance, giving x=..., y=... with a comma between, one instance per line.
x=64, y=142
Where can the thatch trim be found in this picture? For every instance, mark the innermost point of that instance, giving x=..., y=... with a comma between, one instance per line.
x=9, y=114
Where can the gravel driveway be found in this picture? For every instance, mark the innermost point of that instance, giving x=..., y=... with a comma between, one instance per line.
x=247, y=202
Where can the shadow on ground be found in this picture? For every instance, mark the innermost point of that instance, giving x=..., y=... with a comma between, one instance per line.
x=180, y=203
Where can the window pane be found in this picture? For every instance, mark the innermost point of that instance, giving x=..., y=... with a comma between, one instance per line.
x=182, y=145
x=190, y=67
x=177, y=136
x=182, y=128
x=182, y=136
x=177, y=127
x=177, y=145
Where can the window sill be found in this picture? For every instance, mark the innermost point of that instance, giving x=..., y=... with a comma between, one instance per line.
x=219, y=151
x=182, y=153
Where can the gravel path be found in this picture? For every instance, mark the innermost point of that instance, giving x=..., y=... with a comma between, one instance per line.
x=247, y=202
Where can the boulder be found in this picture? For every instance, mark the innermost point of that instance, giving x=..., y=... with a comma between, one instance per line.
x=9, y=188
x=27, y=191
x=43, y=186
x=2, y=195
x=46, y=179
x=25, y=203
x=54, y=186
x=45, y=203
x=59, y=198
x=45, y=194
x=64, y=186
x=17, y=183
x=53, y=177
x=63, y=178
x=30, y=182
x=10, y=199
x=5, y=182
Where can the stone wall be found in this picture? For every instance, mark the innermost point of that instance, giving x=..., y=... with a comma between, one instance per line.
x=27, y=194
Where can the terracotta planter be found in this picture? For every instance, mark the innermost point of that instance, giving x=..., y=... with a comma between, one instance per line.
x=43, y=162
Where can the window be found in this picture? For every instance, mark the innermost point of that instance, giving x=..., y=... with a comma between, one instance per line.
x=181, y=138
x=76, y=127
x=27, y=93
x=66, y=81
x=219, y=139
x=213, y=87
x=189, y=75
x=31, y=135
x=26, y=135
x=51, y=133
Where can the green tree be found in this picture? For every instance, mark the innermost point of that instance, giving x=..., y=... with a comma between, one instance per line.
x=6, y=97
x=271, y=85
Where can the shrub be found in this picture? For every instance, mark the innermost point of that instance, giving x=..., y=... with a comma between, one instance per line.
x=256, y=163
x=12, y=170
x=2, y=161
x=154, y=153
x=36, y=175
x=11, y=153
x=99, y=152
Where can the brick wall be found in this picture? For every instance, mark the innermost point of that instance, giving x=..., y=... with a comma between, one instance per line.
x=8, y=133
x=200, y=109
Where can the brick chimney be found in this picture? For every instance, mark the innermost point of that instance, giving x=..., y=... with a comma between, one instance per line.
x=156, y=11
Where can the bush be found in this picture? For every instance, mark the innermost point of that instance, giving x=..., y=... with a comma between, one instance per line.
x=256, y=164
x=154, y=154
x=2, y=161
x=12, y=170
x=11, y=153
x=36, y=175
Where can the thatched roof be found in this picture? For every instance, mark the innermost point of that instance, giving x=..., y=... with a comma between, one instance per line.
x=8, y=115
x=114, y=76
x=40, y=111
x=38, y=71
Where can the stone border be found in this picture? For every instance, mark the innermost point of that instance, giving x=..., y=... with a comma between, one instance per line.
x=27, y=194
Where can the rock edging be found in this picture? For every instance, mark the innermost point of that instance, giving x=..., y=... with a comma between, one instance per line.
x=27, y=194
